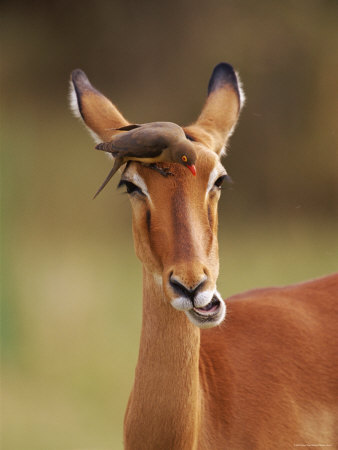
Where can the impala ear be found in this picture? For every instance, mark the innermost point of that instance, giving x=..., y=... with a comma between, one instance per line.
x=97, y=112
x=221, y=110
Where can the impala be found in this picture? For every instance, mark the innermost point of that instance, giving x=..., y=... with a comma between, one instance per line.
x=263, y=378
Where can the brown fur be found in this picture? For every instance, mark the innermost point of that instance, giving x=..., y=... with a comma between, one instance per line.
x=277, y=351
x=267, y=377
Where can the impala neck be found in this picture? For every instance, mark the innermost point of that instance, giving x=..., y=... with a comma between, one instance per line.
x=164, y=407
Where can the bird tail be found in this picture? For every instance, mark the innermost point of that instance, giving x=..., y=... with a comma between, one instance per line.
x=105, y=147
x=117, y=164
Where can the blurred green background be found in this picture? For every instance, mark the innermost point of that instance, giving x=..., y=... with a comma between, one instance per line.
x=71, y=285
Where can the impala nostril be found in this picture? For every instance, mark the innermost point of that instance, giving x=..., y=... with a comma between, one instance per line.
x=178, y=287
x=181, y=288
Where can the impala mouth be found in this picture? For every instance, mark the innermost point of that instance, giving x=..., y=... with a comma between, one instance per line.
x=210, y=308
x=209, y=315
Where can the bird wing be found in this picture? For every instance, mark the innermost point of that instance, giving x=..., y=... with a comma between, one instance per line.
x=139, y=142
x=143, y=141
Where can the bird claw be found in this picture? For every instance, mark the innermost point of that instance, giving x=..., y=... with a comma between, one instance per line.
x=164, y=171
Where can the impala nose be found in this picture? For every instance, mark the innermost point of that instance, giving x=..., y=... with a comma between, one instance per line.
x=185, y=287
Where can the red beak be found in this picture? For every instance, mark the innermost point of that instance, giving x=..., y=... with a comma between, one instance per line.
x=192, y=169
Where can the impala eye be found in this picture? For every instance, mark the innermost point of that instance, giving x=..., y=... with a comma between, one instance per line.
x=131, y=188
x=189, y=137
x=220, y=181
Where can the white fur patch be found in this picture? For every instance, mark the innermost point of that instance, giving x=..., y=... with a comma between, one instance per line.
x=74, y=107
x=223, y=149
x=242, y=97
x=73, y=104
x=181, y=303
x=242, y=100
x=212, y=178
x=139, y=181
x=157, y=279
x=203, y=298
x=216, y=172
x=130, y=174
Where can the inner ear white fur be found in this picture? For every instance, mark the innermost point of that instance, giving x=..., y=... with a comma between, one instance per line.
x=74, y=107
x=242, y=100
x=73, y=103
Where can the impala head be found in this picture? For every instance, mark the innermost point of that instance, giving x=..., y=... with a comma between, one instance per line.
x=175, y=217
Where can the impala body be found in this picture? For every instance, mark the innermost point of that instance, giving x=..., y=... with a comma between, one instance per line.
x=263, y=378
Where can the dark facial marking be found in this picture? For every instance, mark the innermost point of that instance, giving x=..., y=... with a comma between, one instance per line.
x=183, y=233
x=148, y=219
x=211, y=221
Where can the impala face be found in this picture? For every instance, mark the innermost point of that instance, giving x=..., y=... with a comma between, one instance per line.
x=175, y=217
x=175, y=233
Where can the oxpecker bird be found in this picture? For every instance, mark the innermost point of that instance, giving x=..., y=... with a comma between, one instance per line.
x=149, y=143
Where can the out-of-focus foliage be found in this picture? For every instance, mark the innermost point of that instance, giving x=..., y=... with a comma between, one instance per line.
x=71, y=285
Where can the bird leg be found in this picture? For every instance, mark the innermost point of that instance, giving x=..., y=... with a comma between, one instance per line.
x=164, y=171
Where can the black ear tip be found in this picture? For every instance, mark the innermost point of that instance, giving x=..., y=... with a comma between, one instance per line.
x=222, y=74
x=225, y=69
x=78, y=74
x=80, y=80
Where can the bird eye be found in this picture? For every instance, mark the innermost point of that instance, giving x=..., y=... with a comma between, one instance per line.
x=131, y=188
x=184, y=158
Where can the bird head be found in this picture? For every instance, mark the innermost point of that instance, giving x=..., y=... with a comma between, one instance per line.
x=186, y=156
